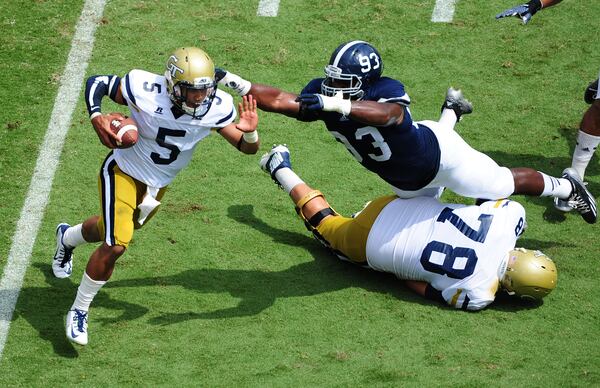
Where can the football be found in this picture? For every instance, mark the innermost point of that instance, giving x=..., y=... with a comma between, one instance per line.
x=125, y=128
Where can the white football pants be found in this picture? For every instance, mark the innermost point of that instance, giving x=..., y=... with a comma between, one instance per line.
x=464, y=170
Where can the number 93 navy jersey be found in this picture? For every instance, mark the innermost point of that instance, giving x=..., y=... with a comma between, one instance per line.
x=407, y=155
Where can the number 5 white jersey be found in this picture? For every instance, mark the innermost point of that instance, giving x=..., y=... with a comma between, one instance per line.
x=166, y=137
x=460, y=250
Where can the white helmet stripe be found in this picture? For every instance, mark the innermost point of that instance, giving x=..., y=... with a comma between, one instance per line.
x=343, y=51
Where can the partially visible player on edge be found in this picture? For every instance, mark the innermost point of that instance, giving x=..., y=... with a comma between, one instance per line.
x=588, y=139
x=369, y=114
x=460, y=255
x=527, y=10
x=588, y=136
x=174, y=112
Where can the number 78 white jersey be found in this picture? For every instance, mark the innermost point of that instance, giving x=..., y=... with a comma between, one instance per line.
x=166, y=138
x=460, y=250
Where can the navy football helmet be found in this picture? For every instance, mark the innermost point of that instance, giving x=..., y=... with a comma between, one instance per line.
x=353, y=67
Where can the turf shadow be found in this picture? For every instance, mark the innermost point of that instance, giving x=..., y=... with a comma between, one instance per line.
x=44, y=308
x=258, y=290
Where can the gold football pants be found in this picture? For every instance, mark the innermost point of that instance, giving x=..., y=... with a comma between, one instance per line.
x=348, y=236
x=120, y=196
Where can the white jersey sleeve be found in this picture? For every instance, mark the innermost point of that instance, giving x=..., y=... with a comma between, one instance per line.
x=166, y=137
x=459, y=250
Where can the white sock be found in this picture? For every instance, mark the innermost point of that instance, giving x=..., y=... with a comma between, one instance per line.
x=287, y=178
x=86, y=292
x=73, y=236
x=584, y=150
x=556, y=187
x=448, y=119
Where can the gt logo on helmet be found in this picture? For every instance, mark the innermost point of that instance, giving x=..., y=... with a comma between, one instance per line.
x=172, y=67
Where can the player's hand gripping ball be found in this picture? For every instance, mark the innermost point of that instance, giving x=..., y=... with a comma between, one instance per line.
x=125, y=128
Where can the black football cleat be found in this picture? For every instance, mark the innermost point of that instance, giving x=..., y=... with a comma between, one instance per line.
x=457, y=102
x=581, y=199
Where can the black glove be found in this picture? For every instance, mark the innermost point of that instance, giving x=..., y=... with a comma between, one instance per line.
x=310, y=101
x=523, y=11
x=591, y=92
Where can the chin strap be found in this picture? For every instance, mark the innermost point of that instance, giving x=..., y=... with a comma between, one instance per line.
x=316, y=219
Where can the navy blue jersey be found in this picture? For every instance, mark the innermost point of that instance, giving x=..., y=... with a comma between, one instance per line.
x=407, y=156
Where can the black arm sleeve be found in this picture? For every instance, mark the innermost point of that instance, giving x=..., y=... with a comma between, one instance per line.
x=433, y=294
x=590, y=92
x=98, y=86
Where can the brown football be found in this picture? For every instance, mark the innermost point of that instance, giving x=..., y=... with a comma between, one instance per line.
x=126, y=130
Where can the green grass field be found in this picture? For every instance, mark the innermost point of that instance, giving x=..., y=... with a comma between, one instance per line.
x=225, y=287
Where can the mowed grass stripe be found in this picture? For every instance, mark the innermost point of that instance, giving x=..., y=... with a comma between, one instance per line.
x=47, y=161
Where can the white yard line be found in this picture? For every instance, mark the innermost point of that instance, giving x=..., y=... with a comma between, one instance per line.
x=43, y=174
x=443, y=11
x=268, y=8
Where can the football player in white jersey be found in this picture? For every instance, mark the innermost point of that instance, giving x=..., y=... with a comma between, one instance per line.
x=457, y=254
x=173, y=113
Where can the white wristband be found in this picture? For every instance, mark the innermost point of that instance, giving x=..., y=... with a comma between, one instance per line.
x=250, y=137
x=336, y=104
x=95, y=114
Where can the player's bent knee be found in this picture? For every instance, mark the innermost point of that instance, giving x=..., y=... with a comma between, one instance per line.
x=113, y=251
x=501, y=186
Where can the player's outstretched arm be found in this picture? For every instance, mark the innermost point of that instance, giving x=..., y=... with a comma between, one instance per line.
x=527, y=10
x=268, y=98
x=244, y=135
x=367, y=112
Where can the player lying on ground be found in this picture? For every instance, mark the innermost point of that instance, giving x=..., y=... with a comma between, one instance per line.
x=369, y=114
x=173, y=113
x=457, y=254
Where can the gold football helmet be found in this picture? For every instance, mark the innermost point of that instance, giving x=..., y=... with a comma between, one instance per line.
x=529, y=274
x=191, y=69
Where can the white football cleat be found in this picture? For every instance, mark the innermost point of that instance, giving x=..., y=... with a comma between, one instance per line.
x=277, y=158
x=76, y=326
x=62, y=264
